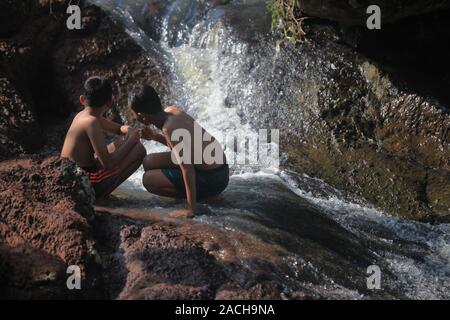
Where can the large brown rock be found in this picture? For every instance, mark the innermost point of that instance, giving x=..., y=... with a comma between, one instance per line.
x=24, y=71
x=149, y=257
x=45, y=206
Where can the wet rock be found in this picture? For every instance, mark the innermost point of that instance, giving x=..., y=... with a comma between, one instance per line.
x=147, y=255
x=261, y=291
x=44, y=229
x=345, y=119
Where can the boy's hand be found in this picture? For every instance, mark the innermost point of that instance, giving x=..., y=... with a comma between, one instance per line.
x=182, y=213
x=134, y=135
x=124, y=130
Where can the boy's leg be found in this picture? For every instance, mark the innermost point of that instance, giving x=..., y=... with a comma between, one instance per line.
x=158, y=161
x=128, y=166
x=113, y=146
x=156, y=182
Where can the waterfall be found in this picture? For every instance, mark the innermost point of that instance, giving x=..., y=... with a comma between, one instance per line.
x=208, y=67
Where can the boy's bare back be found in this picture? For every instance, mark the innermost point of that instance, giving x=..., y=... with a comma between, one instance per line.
x=77, y=145
x=181, y=120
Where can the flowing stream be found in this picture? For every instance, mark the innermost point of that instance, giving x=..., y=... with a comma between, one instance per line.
x=328, y=240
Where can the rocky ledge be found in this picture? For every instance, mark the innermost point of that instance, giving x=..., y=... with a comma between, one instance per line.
x=45, y=207
x=48, y=223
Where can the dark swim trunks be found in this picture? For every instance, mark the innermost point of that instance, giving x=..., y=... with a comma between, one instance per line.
x=102, y=180
x=209, y=183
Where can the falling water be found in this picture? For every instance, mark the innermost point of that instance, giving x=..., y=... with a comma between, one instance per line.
x=206, y=58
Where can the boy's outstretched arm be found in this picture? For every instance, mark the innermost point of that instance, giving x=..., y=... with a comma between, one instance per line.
x=113, y=127
x=189, y=178
x=150, y=134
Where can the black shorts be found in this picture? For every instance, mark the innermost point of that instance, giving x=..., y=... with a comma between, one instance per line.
x=209, y=183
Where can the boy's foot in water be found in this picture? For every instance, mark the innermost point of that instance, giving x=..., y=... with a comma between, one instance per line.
x=182, y=213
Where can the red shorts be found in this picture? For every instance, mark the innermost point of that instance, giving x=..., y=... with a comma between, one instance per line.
x=102, y=180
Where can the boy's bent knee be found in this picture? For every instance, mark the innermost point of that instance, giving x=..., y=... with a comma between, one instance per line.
x=147, y=179
x=140, y=151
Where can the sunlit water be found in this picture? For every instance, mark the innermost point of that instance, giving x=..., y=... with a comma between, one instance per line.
x=205, y=66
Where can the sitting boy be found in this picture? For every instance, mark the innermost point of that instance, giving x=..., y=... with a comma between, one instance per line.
x=173, y=174
x=107, y=166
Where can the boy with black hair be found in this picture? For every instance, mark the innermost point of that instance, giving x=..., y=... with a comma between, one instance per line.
x=107, y=166
x=184, y=172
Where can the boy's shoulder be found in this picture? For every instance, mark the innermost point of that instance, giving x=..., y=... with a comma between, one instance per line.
x=84, y=119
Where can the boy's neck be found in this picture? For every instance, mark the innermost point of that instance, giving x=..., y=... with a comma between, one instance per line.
x=160, y=119
x=96, y=112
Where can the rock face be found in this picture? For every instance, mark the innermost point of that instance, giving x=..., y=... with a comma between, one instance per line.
x=353, y=12
x=102, y=48
x=17, y=122
x=149, y=257
x=26, y=40
x=12, y=15
x=360, y=124
x=45, y=207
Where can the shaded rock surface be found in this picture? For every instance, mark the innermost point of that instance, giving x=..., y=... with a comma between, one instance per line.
x=45, y=206
x=354, y=11
x=18, y=121
x=149, y=256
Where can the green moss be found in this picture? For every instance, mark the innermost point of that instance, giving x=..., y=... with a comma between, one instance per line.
x=391, y=184
x=286, y=17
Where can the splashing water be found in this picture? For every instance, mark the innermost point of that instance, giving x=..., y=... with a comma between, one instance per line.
x=207, y=66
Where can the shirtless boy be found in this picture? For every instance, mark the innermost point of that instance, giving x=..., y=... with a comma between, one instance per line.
x=173, y=174
x=107, y=165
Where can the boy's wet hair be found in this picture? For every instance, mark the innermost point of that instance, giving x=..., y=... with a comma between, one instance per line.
x=144, y=99
x=97, y=91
